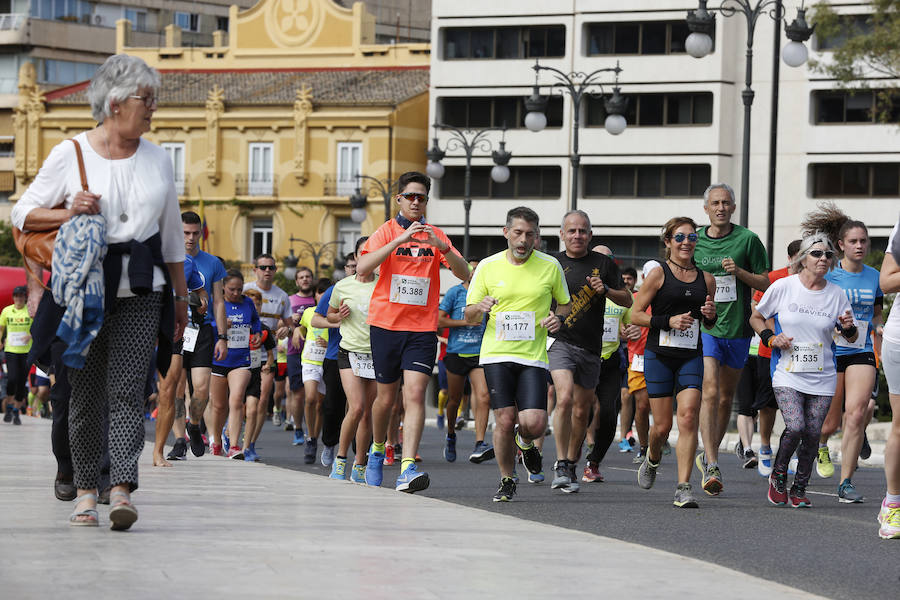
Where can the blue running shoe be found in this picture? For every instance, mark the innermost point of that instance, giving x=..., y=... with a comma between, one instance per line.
x=374, y=474
x=339, y=469
x=299, y=438
x=358, y=474
x=450, y=449
x=412, y=480
x=440, y=421
x=250, y=455
x=226, y=443
x=624, y=446
x=536, y=477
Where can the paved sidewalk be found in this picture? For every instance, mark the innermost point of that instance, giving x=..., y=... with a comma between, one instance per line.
x=212, y=525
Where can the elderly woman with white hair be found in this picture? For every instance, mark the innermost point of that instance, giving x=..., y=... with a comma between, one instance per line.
x=132, y=186
x=798, y=317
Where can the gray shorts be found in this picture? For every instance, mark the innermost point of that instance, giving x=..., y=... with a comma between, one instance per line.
x=890, y=362
x=585, y=366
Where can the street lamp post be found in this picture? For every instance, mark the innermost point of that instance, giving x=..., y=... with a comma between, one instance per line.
x=315, y=250
x=468, y=140
x=576, y=84
x=384, y=186
x=699, y=43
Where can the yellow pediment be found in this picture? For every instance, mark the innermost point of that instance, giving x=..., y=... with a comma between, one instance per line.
x=307, y=25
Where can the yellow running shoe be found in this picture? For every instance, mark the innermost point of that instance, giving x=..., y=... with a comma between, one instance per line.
x=824, y=466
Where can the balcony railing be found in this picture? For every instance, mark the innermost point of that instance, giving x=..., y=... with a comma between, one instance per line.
x=335, y=185
x=253, y=184
x=11, y=21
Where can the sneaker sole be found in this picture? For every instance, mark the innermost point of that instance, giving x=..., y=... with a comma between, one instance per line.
x=751, y=463
x=556, y=484
x=503, y=499
x=571, y=489
x=416, y=485
x=850, y=501
x=587, y=479
x=893, y=536
x=802, y=505
x=712, y=487
x=686, y=504
x=769, y=498
x=480, y=458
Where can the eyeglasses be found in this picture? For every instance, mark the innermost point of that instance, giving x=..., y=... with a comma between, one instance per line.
x=829, y=254
x=148, y=101
x=266, y=267
x=414, y=197
x=679, y=237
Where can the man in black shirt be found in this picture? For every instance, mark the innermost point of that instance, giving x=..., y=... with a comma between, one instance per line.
x=576, y=348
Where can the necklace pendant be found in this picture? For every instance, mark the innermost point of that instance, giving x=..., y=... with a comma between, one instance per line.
x=123, y=217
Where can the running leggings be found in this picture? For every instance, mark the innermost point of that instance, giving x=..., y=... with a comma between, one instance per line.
x=803, y=417
x=608, y=393
x=17, y=376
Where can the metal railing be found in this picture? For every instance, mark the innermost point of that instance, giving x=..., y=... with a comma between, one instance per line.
x=11, y=21
x=246, y=184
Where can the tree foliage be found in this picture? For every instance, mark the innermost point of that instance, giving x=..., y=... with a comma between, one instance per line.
x=9, y=255
x=869, y=49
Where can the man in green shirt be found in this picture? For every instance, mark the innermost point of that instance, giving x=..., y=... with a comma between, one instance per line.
x=735, y=256
x=15, y=339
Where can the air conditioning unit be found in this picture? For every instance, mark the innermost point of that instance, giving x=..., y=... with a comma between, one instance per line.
x=98, y=19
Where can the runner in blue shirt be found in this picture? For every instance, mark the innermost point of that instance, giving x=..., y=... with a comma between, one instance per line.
x=461, y=361
x=856, y=366
x=231, y=374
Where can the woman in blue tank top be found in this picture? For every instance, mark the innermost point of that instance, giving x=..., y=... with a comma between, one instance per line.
x=680, y=295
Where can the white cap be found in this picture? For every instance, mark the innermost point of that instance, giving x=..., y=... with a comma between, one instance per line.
x=649, y=266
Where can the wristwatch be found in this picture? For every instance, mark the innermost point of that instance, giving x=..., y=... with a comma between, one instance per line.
x=222, y=336
x=181, y=298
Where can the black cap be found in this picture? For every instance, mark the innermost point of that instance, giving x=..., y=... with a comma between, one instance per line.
x=20, y=290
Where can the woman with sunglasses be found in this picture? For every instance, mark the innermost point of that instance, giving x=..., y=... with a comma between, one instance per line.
x=679, y=295
x=856, y=368
x=797, y=317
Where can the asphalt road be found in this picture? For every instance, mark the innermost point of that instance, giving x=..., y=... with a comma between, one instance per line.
x=832, y=549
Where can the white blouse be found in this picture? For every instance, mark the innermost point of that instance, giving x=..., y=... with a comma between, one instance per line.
x=142, y=187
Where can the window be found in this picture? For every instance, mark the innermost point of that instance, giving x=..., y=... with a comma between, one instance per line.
x=260, y=237
x=856, y=180
x=543, y=41
x=175, y=151
x=645, y=181
x=860, y=106
x=222, y=24
x=633, y=251
x=524, y=182
x=644, y=37
x=188, y=21
x=495, y=112
x=349, y=165
x=261, y=178
x=138, y=19
x=659, y=110
x=65, y=10
x=65, y=72
x=851, y=25
x=348, y=233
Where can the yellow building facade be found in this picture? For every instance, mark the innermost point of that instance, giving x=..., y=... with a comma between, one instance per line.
x=267, y=131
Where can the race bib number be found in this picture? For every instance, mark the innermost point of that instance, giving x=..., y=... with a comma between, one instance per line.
x=363, y=365
x=239, y=337
x=190, y=339
x=410, y=290
x=637, y=363
x=726, y=288
x=515, y=325
x=610, y=329
x=17, y=338
x=313, y=351
x=675, y=338
x=863, y=327
x=803, y=357
x=256, y=358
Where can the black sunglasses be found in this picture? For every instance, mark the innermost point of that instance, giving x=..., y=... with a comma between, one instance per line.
x=829, y=254
x=267, y=267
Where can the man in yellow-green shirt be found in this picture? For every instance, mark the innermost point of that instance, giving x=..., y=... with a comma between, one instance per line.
x=15, y=340
x=515, y=288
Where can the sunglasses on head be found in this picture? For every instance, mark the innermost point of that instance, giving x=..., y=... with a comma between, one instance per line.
x=414, y=196
x=829, y=254
x=679, y=237
x=266, y=267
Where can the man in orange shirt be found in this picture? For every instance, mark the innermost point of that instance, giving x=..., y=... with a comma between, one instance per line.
x=403, y=315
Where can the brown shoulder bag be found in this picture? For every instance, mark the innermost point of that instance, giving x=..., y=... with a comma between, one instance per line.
x=38, y=245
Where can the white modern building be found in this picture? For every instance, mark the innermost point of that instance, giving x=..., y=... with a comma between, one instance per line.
x=685, y=123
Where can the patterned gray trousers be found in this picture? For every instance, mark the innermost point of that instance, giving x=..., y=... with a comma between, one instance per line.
x=113, y=380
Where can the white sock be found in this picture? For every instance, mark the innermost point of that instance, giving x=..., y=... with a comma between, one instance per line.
x=891, y=499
